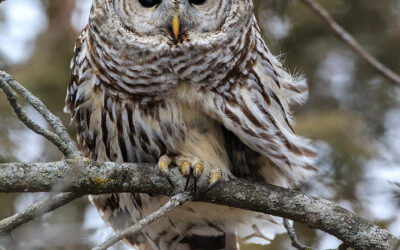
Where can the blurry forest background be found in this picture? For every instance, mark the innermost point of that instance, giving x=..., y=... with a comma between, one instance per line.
x=353, y=113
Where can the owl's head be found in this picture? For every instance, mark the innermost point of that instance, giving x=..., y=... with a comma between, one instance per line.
x=177, y=19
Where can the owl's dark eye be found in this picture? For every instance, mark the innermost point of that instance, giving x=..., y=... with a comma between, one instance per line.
x=149, y=3
x=197, y=2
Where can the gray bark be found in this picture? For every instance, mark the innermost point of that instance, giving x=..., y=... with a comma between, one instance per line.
x=86, y=177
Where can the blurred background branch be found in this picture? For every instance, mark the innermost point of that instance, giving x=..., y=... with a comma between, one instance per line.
x=351, y=42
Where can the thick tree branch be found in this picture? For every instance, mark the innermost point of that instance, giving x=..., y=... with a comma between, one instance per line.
x=348, y=39
x=175, y=201
x=35, y=210
x=97, y=178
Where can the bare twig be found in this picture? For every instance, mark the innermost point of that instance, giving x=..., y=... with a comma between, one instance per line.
x=60, y=138
x=21, y=114
x=342, y=34
x=292, y=234
x=175, y=201
x=9, y=224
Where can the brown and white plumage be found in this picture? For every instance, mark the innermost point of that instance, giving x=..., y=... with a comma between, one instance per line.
x=216, y=96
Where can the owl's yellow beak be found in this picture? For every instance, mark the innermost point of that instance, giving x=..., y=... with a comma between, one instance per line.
x=175, y=25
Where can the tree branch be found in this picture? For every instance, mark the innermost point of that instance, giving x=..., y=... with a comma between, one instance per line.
x=9, y=224
x=293, y=237
x=98, y=178
x=348, y=39
x=60, y=138
x=174, y=202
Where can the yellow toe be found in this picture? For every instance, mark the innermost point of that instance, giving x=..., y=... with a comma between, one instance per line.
x=198, y=170
x=215, y=177
x=185, y=168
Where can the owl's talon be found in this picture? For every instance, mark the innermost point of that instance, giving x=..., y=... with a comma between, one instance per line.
x=190, y=165
x=187, y=181
x=164, y=169
x=198, y=170
x=214, y=178
x=185, y=168
x=170, y=181
x=163, y=163
x=195, y=185
x=208, y=188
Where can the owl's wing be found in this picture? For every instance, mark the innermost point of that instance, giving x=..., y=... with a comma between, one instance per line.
x=253, y=103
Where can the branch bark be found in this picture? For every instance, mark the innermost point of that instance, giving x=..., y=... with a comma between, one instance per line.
x=96, y=178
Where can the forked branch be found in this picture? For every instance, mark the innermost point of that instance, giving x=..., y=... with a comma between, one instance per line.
x=60, y=138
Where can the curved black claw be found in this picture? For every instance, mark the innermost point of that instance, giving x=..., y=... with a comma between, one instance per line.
x=169, y=180
x=195, y=185
x=187, y=181
x=209, y=188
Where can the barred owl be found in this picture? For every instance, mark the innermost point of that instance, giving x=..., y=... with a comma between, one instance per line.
x=188, y=83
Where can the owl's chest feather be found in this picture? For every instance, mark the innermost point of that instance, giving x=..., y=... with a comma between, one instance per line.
x=122, y=129
x=144, y=100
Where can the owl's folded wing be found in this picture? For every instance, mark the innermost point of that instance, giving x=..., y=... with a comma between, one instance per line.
x=254, y=105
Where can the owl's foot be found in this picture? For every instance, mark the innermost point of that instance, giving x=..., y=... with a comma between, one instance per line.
x=193, y=166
